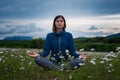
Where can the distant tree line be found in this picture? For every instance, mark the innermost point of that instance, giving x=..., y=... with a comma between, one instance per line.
x=98, y=43
x=35, y=43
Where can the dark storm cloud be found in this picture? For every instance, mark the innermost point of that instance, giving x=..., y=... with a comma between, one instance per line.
x=43, y=8
x=21, y=29
x=2, y=22
x=93, y=28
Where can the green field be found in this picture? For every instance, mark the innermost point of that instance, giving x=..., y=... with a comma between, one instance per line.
x=16, y=65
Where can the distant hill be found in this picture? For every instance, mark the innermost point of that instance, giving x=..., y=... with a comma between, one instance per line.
x=114, y=35
x=15, y=38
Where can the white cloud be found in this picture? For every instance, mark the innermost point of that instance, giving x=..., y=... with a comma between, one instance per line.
x=78, y=26
x=103, y=27
x=30, y=29
x=114, y=16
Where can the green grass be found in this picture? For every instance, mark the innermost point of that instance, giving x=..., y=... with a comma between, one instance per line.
x=16, y=65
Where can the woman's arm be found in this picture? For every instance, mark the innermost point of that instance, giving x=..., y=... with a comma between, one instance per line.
x=47, y=47
x=72, y=47
x=45, y=51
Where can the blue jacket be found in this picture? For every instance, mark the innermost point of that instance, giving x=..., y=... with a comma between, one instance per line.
x=59, y=42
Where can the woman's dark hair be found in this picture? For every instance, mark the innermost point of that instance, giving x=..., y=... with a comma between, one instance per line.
x=54, y=26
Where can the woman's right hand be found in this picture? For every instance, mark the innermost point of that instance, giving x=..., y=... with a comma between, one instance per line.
x=84, y=56
x=33, y=54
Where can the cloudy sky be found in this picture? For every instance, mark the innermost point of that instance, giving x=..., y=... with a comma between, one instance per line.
x=85, y=18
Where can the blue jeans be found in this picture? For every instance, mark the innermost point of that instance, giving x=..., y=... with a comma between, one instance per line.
x=45, y=63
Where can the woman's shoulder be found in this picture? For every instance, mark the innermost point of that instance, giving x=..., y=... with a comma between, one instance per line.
x=50, y=34
x=68, y=34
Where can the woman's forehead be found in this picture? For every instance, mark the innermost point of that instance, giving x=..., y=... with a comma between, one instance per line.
x=60, y=18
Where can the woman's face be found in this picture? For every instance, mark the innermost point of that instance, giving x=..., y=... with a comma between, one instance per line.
x=59, y=23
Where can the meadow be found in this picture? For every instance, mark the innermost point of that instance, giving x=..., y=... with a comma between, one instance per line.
x=16, y=65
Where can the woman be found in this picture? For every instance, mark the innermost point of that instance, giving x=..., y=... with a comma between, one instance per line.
x=56, y=44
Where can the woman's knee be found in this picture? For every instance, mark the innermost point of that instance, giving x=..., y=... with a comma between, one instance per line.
x=76, y=63
x=37, y=59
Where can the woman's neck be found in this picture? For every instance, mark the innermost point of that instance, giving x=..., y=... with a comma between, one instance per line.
x=59, y=30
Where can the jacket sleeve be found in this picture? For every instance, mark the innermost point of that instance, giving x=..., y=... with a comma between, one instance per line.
x=71, y=47
x=47, y=47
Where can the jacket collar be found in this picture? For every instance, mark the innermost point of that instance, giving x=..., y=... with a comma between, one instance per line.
x=61, y=33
